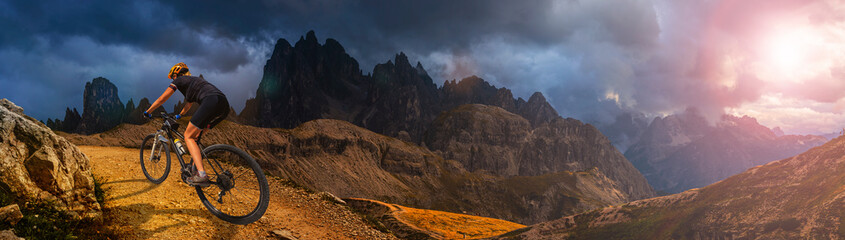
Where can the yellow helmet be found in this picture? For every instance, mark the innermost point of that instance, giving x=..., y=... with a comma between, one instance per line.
x=178, y=70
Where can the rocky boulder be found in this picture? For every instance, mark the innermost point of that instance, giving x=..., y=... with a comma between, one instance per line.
x=10, y=214
x=9, y=234
x=35, y=163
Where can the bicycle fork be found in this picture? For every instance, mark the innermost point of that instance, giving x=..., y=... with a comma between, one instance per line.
x=158, y=138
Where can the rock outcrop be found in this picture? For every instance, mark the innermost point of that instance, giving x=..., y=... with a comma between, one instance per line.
x=310, y=81
x=10, y=214
x=494, y=140
x=102, y=108
x=681, y=152
x=799, y=197
x=401, y=98
x=35, y=163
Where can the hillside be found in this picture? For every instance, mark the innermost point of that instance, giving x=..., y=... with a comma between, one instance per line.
x=138, y=209
x=801, y=197
x=413, y=223
x=349, y=161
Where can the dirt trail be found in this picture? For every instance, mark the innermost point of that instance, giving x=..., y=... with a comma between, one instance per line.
x=138, y=209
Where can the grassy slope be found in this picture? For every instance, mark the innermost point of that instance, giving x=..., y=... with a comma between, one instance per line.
x=798, y=197
x=432, y=223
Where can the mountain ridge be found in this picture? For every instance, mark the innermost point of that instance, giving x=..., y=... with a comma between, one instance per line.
x=308, y=81
x=684, y=151
x=800, y=197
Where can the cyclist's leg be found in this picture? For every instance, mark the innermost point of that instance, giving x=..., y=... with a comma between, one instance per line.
x=191, y=134
x=210, y=108
x=205, y=112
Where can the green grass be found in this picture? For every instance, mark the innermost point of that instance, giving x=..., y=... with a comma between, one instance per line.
x=99, y=192
x=43, y=220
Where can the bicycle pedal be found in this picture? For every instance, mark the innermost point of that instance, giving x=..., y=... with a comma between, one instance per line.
x=205, y=184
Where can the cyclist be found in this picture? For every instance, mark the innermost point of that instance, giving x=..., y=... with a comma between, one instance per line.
x=213, y=108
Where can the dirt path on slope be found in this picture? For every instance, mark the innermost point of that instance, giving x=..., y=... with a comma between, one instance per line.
x=138, y=209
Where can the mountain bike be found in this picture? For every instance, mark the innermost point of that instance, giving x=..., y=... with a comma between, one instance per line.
x=238, y=192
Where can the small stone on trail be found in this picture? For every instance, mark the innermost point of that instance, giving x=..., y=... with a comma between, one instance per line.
x=11, y=214
x=284, y=234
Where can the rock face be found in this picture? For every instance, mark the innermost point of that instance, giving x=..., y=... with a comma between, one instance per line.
x=35, y=163
x=799, y=197
x=102, y=108
x=481, y=137
x=494, y=140
x=310, y=81
x=400, y=98
x=10, y=214
x=681, y=152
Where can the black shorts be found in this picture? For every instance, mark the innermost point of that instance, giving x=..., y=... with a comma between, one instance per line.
x=212, y=110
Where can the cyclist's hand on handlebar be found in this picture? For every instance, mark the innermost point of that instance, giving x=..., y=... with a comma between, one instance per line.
x=177, y=116
x=148, y=115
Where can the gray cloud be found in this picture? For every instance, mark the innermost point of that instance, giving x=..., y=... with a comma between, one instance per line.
x=592, y=59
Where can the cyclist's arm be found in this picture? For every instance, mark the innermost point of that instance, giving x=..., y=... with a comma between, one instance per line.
x=186, y=108
x=164, y=96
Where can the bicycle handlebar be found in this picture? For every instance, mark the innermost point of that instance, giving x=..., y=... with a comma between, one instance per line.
x=164, y=115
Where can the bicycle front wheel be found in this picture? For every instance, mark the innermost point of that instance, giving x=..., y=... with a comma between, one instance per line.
x=239, y=192
x=155, y=159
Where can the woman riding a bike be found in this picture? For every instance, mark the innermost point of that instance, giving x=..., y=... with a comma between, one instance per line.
x=213, y=108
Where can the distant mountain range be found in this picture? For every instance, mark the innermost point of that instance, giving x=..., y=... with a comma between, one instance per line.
x=683, y=151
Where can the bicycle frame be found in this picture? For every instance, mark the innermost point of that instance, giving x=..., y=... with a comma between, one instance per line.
x=169, y=130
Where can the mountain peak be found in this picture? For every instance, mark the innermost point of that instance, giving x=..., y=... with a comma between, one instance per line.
x=102, y=108
x=537, y=97
x=311, y=37
x=402, y=60
x=281, y=44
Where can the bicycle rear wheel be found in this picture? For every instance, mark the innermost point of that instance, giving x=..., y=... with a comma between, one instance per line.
x=155, y=160
x=239, y=192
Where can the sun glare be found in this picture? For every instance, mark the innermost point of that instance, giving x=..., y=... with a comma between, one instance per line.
x=787, y=50
x=790, y=54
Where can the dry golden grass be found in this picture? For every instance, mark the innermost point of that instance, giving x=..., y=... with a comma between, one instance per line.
x=454, y=226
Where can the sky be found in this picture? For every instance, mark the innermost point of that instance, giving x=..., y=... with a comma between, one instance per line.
x=780, y=61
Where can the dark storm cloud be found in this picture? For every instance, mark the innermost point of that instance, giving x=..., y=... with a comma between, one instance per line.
x=217, y=36
x=146, y=25
x=592, y=59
